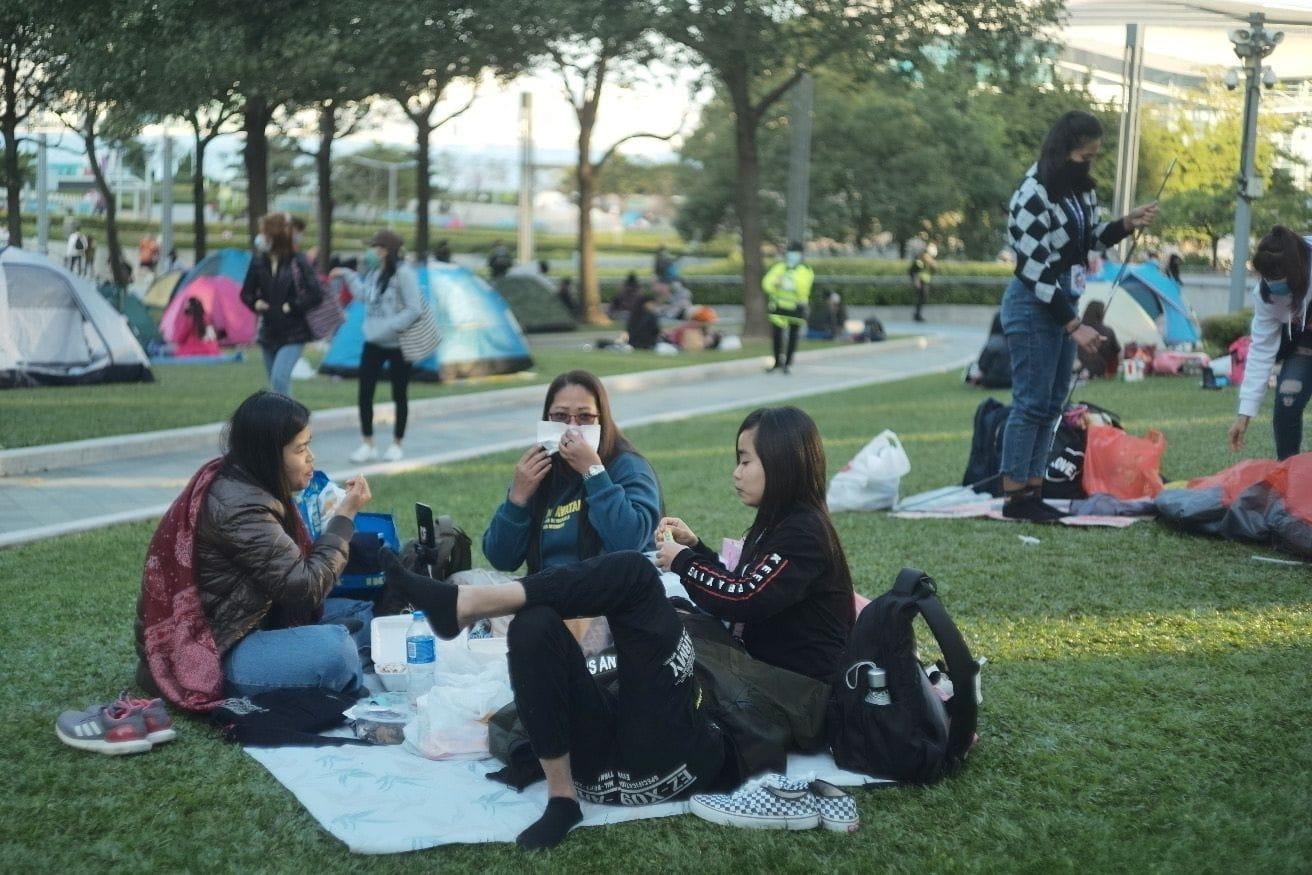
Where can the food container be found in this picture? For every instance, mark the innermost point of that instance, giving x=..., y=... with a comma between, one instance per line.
x=392, y=675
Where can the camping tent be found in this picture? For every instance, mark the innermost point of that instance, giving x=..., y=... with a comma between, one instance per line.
x=479, y=333
x=1147, y=297
x=1162, y=298
x=55, y=328
x=233, y=321
x=140, y=322
x=1124, y=315
x=231, y=263
x=160, y=291
x=534, y=302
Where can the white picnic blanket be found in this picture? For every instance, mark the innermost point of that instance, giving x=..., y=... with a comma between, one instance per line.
x=385, y=800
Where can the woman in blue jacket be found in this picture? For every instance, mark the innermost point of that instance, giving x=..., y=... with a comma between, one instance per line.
x=595, y=495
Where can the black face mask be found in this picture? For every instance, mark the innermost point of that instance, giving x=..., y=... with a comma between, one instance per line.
x=1075, y=176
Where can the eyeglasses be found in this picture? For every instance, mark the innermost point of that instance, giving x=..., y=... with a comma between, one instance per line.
x=576, y=418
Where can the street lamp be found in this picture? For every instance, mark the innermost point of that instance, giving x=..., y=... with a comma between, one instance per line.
x=1251, y=44
x=391, y=167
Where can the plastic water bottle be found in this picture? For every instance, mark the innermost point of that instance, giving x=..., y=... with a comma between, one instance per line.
x=878, y=683
x=420, y=655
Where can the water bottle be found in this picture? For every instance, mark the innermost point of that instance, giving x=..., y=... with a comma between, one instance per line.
x=878, y=683
x=420, y=655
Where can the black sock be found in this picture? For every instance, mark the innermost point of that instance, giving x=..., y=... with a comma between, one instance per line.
x=436, y=598
x=561, y=816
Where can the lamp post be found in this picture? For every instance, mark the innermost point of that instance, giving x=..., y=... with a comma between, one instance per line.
x=42, y=196
x=391, y=167
x=1252, y=44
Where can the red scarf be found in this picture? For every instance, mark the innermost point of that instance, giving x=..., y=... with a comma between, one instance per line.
x=179, y=646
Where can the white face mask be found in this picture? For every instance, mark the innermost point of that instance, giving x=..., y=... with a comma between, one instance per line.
x=550, y=433
x=262, y=243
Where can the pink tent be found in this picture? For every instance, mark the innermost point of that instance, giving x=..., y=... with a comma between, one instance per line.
x=220, y=296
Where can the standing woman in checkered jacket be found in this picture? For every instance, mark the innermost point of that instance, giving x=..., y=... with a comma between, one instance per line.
x=1055, y=222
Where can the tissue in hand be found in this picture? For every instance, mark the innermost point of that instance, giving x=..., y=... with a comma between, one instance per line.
x=550, y=433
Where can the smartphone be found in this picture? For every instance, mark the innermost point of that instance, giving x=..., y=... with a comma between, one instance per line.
x=424, y=520
x=427, y=535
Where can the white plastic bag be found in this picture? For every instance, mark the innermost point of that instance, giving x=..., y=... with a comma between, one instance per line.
x=470, y=686
x=870, y=481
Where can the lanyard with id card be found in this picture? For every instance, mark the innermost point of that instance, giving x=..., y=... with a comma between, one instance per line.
x=1079, y=272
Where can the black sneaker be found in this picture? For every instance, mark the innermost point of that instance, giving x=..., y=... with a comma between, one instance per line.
x=1028, y=506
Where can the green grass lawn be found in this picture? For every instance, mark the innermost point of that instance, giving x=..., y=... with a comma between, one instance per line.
x=196, y=394
x=1147, y=701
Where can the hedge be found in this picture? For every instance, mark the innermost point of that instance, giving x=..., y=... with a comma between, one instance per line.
x=1223, y=330
x=855, y=293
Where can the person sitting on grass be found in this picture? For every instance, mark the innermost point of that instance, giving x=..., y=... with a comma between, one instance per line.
x=198, y=337
x=234, y=596
x=595, y=495
x=654, y=741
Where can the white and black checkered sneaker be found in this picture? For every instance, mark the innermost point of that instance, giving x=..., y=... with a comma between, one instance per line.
x=770, y=801
x=836, y=806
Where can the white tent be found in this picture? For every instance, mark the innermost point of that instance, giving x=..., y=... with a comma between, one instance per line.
x=56, y=329
x=1129, y=320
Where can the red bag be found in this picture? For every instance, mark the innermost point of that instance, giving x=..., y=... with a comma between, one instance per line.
x=1123, y=465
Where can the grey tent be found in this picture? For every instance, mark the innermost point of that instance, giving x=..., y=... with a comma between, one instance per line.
x=56, y=329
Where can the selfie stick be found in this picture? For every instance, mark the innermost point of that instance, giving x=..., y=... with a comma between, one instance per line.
x=1125, y=265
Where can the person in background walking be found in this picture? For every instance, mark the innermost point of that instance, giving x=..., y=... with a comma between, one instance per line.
x=787, y=285
x=148, y=253
x=921, y=272
x=75, y=252
x=390, y=291
x=281, y=287
x=89, y=265
x=663, y=268
x=1281, y=331
x=1054, y=224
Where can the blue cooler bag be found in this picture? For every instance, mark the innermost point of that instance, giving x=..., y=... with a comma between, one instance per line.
x=370, y=580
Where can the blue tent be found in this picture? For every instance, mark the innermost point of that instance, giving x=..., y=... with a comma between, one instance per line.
x=479, y=333
x=232, y=263
x=1160, y=297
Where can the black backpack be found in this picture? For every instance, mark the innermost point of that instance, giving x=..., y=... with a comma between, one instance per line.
x=910, y=734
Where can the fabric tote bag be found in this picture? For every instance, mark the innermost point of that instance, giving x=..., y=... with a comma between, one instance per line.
x=325, y=317
x=420, y=340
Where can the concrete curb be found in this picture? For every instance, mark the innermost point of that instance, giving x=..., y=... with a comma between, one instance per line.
x=71, y=454
x=786, y=390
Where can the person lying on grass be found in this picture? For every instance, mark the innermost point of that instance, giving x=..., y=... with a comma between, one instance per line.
x=654, y=741
x=234, y=594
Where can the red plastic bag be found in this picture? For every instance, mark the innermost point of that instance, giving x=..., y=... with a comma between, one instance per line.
x=1123, y=465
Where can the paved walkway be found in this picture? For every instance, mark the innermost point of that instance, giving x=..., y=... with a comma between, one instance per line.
x=91, y=484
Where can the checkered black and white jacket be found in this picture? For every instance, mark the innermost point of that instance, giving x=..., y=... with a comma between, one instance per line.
x=1043, y=234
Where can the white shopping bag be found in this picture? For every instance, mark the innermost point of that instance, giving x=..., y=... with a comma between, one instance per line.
x=870, y=480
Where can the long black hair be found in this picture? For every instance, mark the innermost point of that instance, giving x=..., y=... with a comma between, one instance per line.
x=196, y=313
x=1282, y=253
x=253, y=441
x=792, y=456
x=1072, y=131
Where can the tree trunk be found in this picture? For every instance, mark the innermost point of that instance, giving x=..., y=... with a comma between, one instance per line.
x=589, y=287
x=9, y=123
x=323, y=160
x=119, y=270
x=747, y=202
x=198, y=194
x=1216, y=258
x=13, y=199
x=423, y=189
x=255, y=155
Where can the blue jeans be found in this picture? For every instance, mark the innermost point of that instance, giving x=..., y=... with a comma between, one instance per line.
x=324, y=655
x=278, y=364
x=1041, y=358
x=1293, y=388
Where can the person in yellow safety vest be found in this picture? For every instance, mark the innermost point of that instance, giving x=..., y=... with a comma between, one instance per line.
x=787, y=287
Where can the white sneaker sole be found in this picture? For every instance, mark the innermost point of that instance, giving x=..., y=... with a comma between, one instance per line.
x=161, y=736
x=110, y=748
x=840, y=825
x=748, y=821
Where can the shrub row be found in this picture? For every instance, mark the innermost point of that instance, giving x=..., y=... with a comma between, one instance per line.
x=1223, y=330
x=899, y=293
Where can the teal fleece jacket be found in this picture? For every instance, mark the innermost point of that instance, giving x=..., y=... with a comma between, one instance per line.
x=621, y=505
